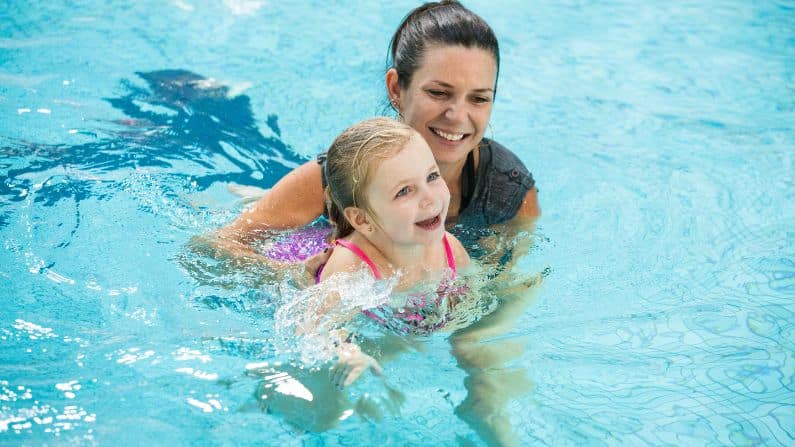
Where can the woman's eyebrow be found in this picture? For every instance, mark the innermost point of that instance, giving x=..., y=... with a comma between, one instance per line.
x=479, y=90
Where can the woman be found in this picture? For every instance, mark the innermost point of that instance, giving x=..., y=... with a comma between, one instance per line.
x=442, y=82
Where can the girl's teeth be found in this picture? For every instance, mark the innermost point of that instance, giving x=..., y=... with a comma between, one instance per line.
x=449, y=136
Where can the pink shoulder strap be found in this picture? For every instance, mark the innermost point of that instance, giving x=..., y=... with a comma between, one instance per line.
x=449, y=252
x=358, y=252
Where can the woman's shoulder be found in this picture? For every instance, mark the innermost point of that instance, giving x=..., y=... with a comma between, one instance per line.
x=501, y=160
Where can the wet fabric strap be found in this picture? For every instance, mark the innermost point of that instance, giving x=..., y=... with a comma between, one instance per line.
x=448, y=251
x=358, y=252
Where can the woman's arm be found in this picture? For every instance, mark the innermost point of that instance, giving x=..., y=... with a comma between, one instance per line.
x=294, y=201
x=519, y=233
x=530, y=207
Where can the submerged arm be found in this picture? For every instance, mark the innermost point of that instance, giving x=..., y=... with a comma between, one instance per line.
x=514, y=237
x=294, y=201
x=327, y=320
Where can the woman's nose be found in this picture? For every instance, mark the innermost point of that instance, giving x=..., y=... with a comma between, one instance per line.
x=456, y=111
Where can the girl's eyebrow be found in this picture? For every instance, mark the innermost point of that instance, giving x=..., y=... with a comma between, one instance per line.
x=408, y=180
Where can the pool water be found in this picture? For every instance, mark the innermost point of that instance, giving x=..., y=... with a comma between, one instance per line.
x=661, y=137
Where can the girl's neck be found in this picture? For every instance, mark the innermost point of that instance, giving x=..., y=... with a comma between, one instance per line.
x=413, y=260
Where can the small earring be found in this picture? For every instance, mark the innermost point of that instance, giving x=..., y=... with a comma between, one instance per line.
x=396, y=106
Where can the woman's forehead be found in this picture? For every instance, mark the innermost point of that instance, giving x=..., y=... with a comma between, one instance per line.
x=450, y=62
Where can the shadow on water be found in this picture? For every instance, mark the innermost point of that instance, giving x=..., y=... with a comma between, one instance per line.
x=179, y=116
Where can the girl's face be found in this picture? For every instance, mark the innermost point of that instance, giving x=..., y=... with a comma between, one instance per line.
x=449, y=99
x=408, y=196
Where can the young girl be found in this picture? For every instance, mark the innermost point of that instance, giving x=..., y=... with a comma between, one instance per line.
x=388, y=203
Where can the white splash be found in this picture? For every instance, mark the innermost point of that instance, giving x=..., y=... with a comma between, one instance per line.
x=34, y=330
x=289, y=386
x=68, y=388
x=133, y=355
x=183, y=354
x=198, y=373
x=306, y=318
x=205, y=407
x=183, y=5
x=58, y=278
x=243, y=7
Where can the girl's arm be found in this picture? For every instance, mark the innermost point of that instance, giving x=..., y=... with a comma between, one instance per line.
x=351, y=363
x=351, y=360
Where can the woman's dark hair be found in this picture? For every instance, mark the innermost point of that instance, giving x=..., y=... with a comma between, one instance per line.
x=446, y=22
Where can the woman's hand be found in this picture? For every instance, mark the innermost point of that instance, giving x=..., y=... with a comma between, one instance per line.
x=351, y=363
x=313, y=263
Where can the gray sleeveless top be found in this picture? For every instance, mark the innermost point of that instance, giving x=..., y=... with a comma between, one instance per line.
x=495, y=193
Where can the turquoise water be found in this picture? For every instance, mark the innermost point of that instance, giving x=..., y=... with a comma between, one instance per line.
x=660, y=136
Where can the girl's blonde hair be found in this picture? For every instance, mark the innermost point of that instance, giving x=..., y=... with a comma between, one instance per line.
x=352, y=158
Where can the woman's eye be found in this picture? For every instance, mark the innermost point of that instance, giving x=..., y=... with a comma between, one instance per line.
x=433, y=176
x=481, y=99
x=437, y=93
x=403, y=191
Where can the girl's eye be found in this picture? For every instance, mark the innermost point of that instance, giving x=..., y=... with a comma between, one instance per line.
x=403, y=191
x=433, y=176
x=437, y=93
x=481, y=99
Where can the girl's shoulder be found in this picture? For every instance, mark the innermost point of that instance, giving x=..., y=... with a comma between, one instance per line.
x=343, y=259
x=459, y=252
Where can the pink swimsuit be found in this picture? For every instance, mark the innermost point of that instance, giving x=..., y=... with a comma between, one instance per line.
x=412, y=318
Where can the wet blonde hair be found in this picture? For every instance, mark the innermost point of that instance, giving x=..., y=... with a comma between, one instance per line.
x=351, y=161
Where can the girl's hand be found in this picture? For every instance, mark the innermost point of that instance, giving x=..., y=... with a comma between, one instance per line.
x=351, y=363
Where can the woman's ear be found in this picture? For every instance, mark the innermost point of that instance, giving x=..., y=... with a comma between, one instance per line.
x=393, y=88
x=358, y=218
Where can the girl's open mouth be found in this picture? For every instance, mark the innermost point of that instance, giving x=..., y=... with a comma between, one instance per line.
x=430, y=224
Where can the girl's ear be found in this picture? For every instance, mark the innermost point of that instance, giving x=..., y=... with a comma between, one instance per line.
x=358, y=218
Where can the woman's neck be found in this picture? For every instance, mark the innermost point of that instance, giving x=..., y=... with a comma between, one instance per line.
x=451, y=174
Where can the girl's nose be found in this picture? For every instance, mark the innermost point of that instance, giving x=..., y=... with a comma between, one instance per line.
x=425, y=197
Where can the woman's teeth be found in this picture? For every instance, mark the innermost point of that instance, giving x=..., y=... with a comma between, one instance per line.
x=448, y=136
